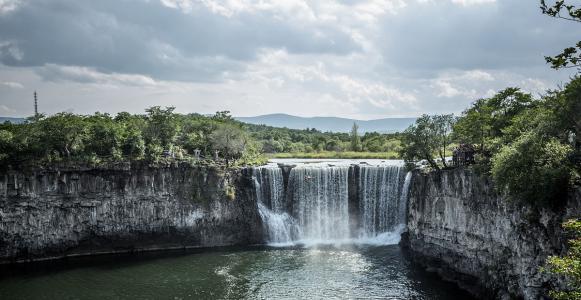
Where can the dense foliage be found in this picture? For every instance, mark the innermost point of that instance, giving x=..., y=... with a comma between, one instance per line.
x=429, y=137
x=531, y=147
x=159, y=134
x=162, y=134
x=312, y=142
x=568, y=265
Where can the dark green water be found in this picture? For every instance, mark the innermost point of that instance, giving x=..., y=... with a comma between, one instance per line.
x=250, y=273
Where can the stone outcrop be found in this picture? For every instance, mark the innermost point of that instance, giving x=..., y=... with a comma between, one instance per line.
x=55, y=213
x=459, y=226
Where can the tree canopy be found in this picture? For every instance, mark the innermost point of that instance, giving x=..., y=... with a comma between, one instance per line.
x=158, y=134
x=427, y=138
x=531, y=147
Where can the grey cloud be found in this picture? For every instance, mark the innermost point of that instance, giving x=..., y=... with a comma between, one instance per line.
x=126, y=54
x=145, y=37
x=506, y=34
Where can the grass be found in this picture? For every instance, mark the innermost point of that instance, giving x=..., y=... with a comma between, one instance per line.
x=337, y=155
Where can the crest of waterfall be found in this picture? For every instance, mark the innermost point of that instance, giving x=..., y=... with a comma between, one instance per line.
x=270, y=187
x=381, y=199
x=280, y=227
x=319, y=195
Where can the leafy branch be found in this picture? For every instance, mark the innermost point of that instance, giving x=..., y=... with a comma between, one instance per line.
x=571, y=56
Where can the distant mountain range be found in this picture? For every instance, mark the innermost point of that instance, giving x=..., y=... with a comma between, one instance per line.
x=12, y=120
x=334, y=124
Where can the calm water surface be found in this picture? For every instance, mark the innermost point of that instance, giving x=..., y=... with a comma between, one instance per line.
x=349, y=272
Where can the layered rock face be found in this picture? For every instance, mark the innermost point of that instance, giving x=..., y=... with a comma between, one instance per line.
x=56, y=213
x=459, y=226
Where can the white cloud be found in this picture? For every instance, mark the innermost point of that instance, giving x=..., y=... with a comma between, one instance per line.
x=478, y=75
x=91, y=76
x=460, y=83
x=277, y=69
x=11, y=84
x=534, y=85
x=183, y=5
x=472, y=2
x=7, y=6
x=445, y=89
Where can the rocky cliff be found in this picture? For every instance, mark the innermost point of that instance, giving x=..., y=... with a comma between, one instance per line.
x=460, y=227
x=54, y=213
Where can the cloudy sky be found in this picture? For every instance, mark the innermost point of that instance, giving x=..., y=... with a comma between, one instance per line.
x=362, y=59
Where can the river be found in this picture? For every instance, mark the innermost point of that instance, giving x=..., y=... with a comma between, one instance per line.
x=324, y=272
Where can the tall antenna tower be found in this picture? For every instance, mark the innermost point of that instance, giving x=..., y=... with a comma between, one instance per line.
x=35, y=104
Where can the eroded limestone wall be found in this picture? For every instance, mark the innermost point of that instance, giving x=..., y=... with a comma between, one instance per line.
x=461, y=227
x=55, y=213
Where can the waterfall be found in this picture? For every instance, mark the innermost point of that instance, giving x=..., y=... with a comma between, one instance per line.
x=279, y=226
x=404, y=197
x=269, y=187
x=319, y=195
x=314, y=208
x=379, y=199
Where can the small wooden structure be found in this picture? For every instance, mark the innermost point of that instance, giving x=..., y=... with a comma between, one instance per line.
x=463, y=155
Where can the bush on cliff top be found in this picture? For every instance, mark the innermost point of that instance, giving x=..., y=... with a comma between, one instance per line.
x=569, y=265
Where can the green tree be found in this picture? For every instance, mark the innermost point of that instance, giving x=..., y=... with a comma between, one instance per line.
x=504, y=106
x=62, y=132
x=6, y=144
x=571, y=56
x=533, y=168
x=442, y=125
x=230, y=140
x=568, y=265
x=222, y=116
x=485, y=122
x=355, y=139
x=420, y=141
x=104, y=136
x=566, y=106
x=374, y=144
x=162, y=126
x=133, y=144
x=334, y=144
x=475, y=125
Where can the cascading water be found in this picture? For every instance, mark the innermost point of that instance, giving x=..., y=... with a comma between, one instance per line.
x=403, y=200
x=319, y=195
x=315, y=206
x=379, y=199
x=279, y=226
x=269, y=188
